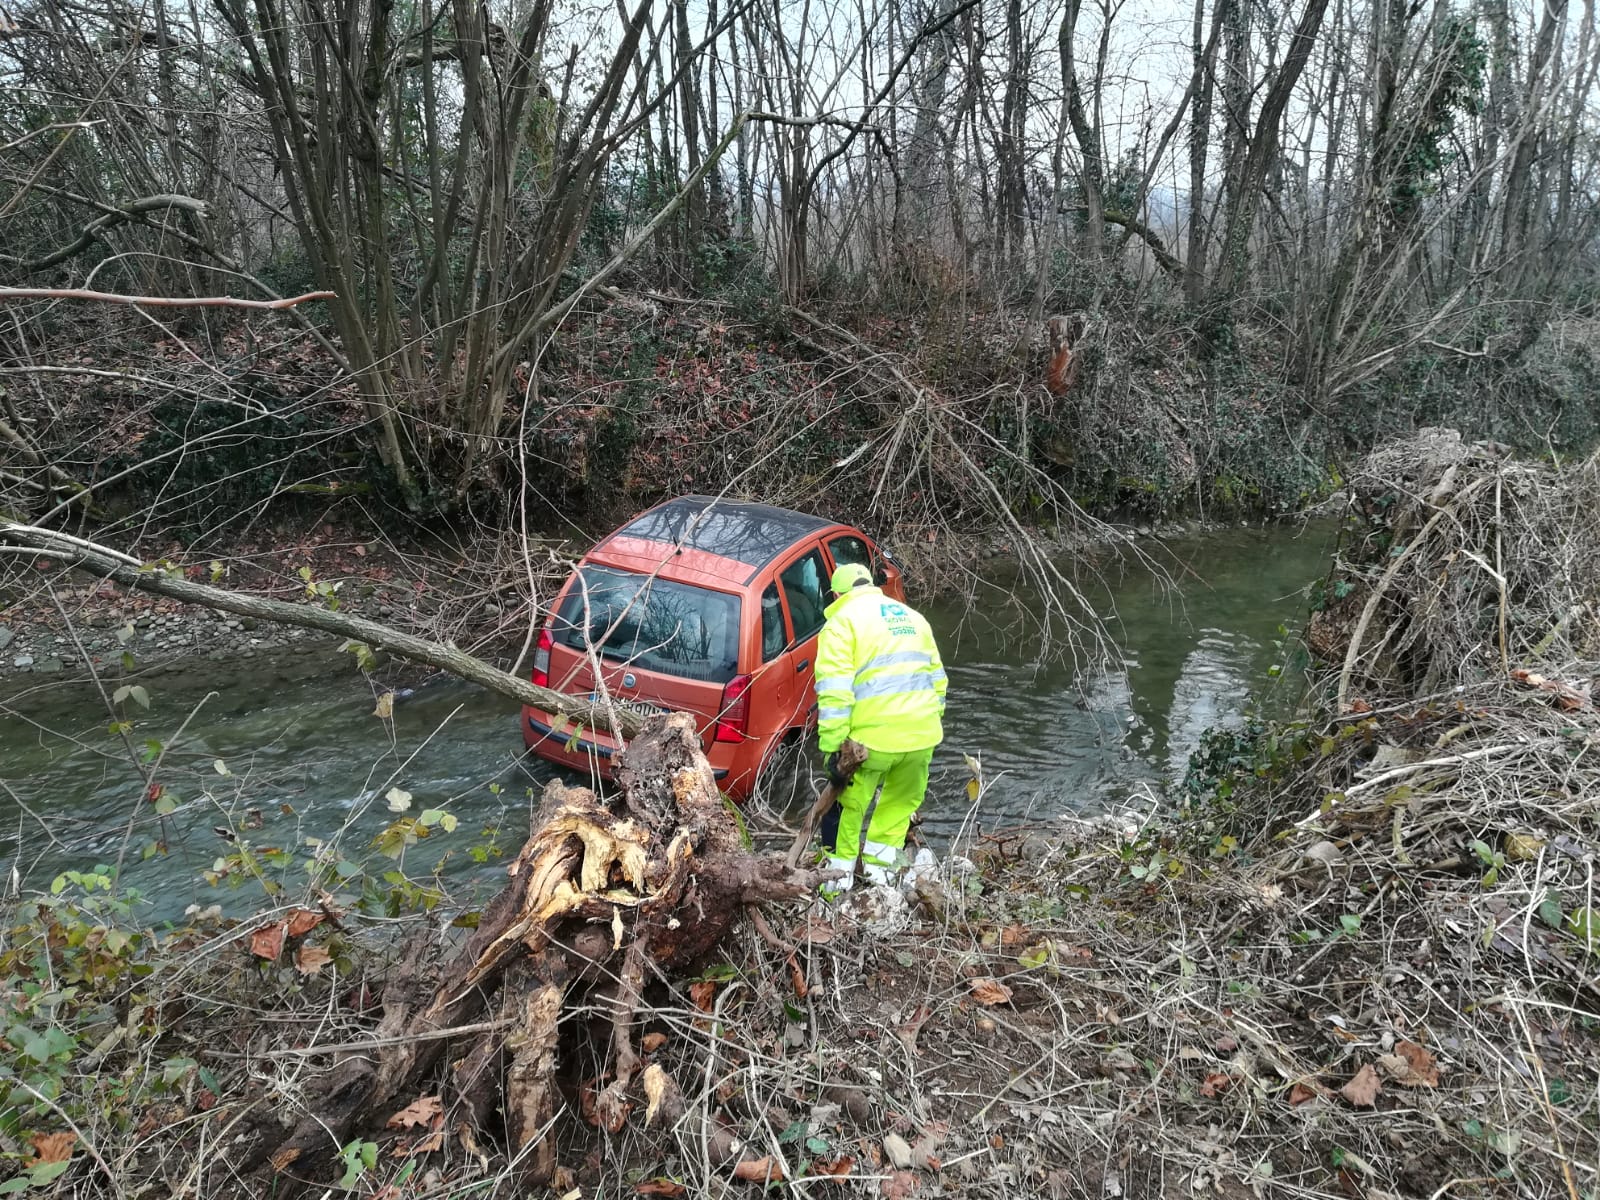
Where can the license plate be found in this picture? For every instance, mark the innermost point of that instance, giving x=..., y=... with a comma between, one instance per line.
x=638, y=707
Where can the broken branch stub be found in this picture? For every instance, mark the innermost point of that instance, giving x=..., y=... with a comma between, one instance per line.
x=601, y=899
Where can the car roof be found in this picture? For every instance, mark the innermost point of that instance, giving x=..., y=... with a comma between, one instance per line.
x=746, y=532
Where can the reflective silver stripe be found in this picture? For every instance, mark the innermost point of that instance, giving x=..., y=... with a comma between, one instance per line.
x=894, y=685
x=900, y=658
x=834, y=683
x=832, y=714
x=939, y=676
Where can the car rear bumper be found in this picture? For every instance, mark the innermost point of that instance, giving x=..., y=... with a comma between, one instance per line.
x=581, y=753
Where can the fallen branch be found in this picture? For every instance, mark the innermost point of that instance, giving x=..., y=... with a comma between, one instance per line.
x=1165, y=259
x=15, y=293
x=106, y=563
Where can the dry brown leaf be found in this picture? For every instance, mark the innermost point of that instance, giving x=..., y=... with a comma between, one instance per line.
x=309, y=960
x=815, y=931
x=651, y=1042
x=1300, y=1094
x=1423, y=1067
x=1214, y=1084
x=1362, y=1091
x=384, y=709
x=53, y=1147
x=923, y=1150
x=426, y=1144
x=701, y=992
x=989, y=992
x=660, y=1187
x=758, y=1170
x=303, y=920
x=839, y=1168
x=420, y=1112
x=267, y=942
x=797, y=979
x=899, y=1186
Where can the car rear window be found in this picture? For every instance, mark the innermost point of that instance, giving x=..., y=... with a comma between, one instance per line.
x=656, y=624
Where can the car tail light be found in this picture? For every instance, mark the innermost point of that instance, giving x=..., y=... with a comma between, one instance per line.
x=541, y=659
x=733, y=716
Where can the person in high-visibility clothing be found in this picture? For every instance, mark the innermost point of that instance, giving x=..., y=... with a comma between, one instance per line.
x=880, y=683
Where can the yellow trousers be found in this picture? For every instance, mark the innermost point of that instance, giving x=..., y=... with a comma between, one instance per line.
x=903, y=778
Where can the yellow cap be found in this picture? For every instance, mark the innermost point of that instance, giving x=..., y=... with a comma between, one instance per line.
x=850, y=575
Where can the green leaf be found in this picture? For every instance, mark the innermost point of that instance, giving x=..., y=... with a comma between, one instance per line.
x=220, y=767
x=817, y=1145
x=1350, y=923
x=48, y=1172
x=399, y=799
x=794, y=1132
x=1550, y=912
x=129, y=662
x=305, y=574
x=1034, y=958
x=1485, y=855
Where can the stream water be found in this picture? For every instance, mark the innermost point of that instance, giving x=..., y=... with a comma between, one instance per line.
x=280, y=753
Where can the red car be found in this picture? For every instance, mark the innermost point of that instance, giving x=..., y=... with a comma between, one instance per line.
x=704, y=605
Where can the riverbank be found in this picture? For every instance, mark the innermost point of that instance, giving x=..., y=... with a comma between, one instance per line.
x=1080, y=1016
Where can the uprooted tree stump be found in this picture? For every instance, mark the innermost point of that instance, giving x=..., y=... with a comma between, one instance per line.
x=600, y=894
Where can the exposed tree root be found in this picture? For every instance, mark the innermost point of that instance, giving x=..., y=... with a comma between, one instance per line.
x=598, y=899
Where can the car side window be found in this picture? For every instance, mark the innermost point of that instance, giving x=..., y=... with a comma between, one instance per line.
x=773, y=635
x=802, y=587
x=848, y=548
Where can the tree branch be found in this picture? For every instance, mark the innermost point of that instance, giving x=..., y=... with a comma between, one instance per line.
x=11, y=293
x=107, y=563
x=1164, y=257
x=116, y=216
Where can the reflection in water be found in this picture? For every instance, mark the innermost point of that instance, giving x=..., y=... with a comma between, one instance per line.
x=306, y=757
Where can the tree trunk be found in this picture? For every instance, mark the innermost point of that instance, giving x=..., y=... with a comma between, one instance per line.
x=601, y=896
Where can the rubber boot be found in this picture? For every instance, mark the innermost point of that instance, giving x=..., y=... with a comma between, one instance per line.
x=879, y=863
x=835, y=887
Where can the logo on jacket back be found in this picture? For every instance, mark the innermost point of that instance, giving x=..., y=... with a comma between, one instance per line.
x=897, y=619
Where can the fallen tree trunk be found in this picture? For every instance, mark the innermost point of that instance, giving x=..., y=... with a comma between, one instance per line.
x=103, y=562
x=601, y=895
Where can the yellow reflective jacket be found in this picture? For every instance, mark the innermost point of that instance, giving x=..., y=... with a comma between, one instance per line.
x=879, y=678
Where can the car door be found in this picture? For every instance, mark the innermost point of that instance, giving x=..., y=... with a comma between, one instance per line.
x=801, y=582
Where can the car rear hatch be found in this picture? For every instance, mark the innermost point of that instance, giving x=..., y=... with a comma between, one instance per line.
x=656, y=644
